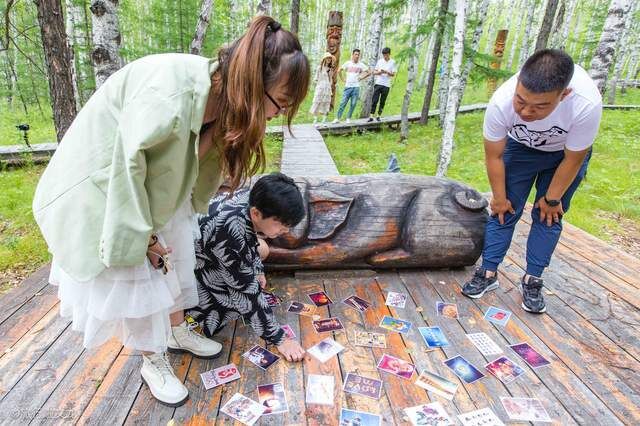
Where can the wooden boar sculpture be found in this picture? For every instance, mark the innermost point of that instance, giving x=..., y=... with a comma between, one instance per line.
x=386, y=220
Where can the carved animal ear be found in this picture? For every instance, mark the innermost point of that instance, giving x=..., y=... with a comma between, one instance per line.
x=470, y=199
x=328, y=213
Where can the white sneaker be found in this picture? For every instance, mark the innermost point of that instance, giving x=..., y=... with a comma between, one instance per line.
x=158, y=374
x=185, y=339
x=348, y=121
x=335, y=121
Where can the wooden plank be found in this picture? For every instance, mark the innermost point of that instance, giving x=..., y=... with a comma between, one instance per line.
x=356, y=359
x=394, y=387
x=72, y=395
x=36, y=385
x=25, y=317
x=289, y=373
x=26, y=352
x=575, y=396
x=614, y=317
x=601, y=365
x=11, y=301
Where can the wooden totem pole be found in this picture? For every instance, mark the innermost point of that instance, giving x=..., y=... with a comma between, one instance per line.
x=334, y=39
x=498, y=52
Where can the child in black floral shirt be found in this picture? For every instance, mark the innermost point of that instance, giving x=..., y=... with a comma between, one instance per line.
x=228, y=258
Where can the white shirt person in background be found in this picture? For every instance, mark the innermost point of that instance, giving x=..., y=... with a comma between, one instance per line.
x=355, y=71
x=384, y=70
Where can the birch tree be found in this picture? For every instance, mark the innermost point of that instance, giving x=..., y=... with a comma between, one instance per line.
x=611, y=32
x=445, y=69
x=372, y=52
x=106, y=39
x=446, y=148
x=526, y=38
x=547, y=22
x=592, y=27
x=412, y=70
x=70, y=25
x=515, y=38
x=555, y=31
x=295, y=16
x=564, y=32
x=264, y=7
x=424, y=73
x=435, y=54
x=201, y=27
x=621, y=53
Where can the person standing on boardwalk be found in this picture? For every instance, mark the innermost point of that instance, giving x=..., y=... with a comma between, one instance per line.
x=385, y=69
x=322, y=95
x=116, y=202
x=538, y=128
x=355, y=71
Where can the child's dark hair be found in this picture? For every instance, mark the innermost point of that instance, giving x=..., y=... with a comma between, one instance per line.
x=276, y=195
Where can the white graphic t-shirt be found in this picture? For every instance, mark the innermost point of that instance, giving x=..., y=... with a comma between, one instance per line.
x=353, y=71
x=385, y=79
x=573, y=124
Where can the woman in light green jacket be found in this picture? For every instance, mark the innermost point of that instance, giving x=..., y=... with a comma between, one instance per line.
x=117, y=202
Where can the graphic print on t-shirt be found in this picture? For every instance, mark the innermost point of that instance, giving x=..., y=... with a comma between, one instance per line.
x=535, y=138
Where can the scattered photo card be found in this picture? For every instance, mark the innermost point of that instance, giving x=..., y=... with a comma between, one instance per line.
x=301, y=309
x=358, y=418
x=288, y=331
x=484, y=344
x=395, y=324
x=497, y=316
x=463, y=369
x=530, y=355
x=482, y=417
x=271, y=298
x=433, y=337
x=449, y=310
x=243, y=409
x=320, y=298
x=327, y=324
x=396, y=366
x=273, y=398
x=261, y=357
x=397, y=300
x=504, y=369
x=432, y=414
x=325, y=349
x=527, y=409
x=364, y=386
x=370, y=340
x=320, y=389
x=219, y=376
x=436, y=384
x=357, y=303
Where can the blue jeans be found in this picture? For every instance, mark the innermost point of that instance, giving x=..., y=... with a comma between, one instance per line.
x=350, y=93
x=525, y=166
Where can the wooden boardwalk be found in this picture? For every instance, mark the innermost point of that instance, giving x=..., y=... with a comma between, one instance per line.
x=590, y=334
x=305, y=154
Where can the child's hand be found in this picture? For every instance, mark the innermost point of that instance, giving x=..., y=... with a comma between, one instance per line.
x=262, y=280
x=291, y=350
x=157, y=253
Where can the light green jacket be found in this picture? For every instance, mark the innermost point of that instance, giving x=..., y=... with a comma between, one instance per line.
x=127, y=162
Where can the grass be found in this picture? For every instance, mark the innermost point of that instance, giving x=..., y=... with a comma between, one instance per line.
x=611, y=190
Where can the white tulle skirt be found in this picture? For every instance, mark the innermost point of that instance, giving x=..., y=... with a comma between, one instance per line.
x=133, y=303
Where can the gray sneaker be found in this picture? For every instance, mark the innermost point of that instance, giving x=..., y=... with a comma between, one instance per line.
x=480, y=284
x=532, y=298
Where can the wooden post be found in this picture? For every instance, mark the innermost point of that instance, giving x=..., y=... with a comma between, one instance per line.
x=498, y=51
x=334, y=39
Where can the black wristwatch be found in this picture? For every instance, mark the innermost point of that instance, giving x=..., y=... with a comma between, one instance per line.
x=551, y=203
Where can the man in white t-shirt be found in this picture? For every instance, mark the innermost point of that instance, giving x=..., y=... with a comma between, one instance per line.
x=384, y=70
x=538, y=128
x=355, y=71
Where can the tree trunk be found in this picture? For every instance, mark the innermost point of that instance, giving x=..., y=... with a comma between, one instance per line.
x=424, y=73
x=435, y=54
x=58, y=59
x=363, y=20
x=632, y=66
x=446, y=149
x=411, y=72
x=475, y=41
x=106, y=39
x=564, y=32
x=515, y=39
x=526, y=38
x=71, y=23
x=372, y=52
x=611, y=32
x=264, y=7
x=443, y=83
x=201, y=27
x=295, y=16
x=545, y=27
x=621, y=54
x=590, y=36
x=558, y=24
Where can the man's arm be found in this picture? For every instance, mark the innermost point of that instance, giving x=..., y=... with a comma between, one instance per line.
x=495, y=171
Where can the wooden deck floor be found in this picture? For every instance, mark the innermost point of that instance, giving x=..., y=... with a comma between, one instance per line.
x=590, y=334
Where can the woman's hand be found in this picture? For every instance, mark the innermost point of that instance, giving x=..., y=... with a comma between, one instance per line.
x=291, y=350
x=157, y=254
